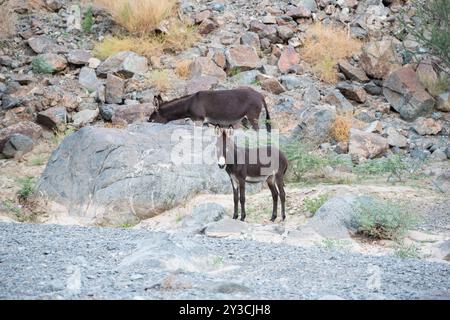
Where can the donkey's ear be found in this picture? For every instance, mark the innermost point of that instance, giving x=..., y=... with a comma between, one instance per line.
x=217, y=130
x=229, y=131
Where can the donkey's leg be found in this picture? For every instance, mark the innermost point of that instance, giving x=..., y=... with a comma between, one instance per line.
x=242, y=197
x=280, y=185
x=273, y=189
x=254, y=123
x=235, y=199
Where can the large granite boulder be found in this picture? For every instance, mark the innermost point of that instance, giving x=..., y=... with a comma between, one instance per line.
x=112, y=176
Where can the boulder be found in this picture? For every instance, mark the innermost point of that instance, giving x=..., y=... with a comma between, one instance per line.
x=366, y=145
x=288, y=58
x=114, y=89
x=353, y=73
x=264, y=31
x=298, y=12
x=251, y=39
x=285, y=32
x=242, y=57
x=379, y=59
x=226, y=228
x=53, y=118
x=316, y=123
x=125, y=114
x=111, y=176
x=310, y=5
x=204, y=66
x=427, y=126
x=17, y=145
x=336, y=98
x=202, y=15
x=200, y=83
x=406, y=94
x=52, y=61
x=84, y=117
x=88, y=79
x=443, y=102
x=245, y=78
x=202, y=215
x=125, y=63
x=272, y=85
x=26, y=128
x=207, y=26
x=79, y=57
x=352, y=91
x=41, y=44
x=395, y=139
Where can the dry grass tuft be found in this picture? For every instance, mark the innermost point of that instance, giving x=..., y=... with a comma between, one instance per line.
x=160, y=80
x=138, y=16
x=182, y=68
x=340, y=130
x=7, y=20
x=325, y=46
x=435, y=87
x=179, y=37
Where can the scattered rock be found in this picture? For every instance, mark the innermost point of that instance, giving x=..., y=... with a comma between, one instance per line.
x=366, y=145
x=79, y=57
x=379, y=59
x=427, y=126
x=226, y=228
x=202, y=15
x=251, y=39
x=242, y=57
x=289, y=58
x=406, y=94
x=336, y=98
x=298, y=12
x=17, y=145
x=439, y=155
x=285, y=32
x=207, y=26
x=316, y=122
x=26, y=128
x=54, y=61
x=84, y=117
x=202, y=215
x=10, y=102
x=395, y=139
x=41, y=44
x=203, y=66
x=114, y=89
x=272, y=85
x=443, y=102
x=124, y=63
x=88, y=79
x=53, y=118
x=353, y=73
x=352, y=91
x=200, y=83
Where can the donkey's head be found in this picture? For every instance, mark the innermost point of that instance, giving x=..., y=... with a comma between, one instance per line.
x=156, y=116
x=224, y=146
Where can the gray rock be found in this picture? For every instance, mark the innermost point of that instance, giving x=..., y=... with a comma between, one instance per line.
x=125, y=63
x=439, y=155
x=88, y=79
x=226, y=228
x=285, y=32
x=245, y=77
x=447, y=151
x=125, y=114
x=352, y=91
x=79, y=57
x=26, y=128
x=251, y=39
x=315, y=123
x=41, y=44
x=242, y=57
x=366, y=145
x=406, y=94
x=443, y=102
x=353, y=73
x=202, y=215
x=311, y=5
x=333, y=219
x=373, y=88
x=54, y=5
x=311, y=95
x=9, y=102
x=336, y=98
x=114, y=89
x=128, y=174
x=17, y=145
x=395, y=139
x=54, y=61
x=84, y=117
x=53, y=118
x=291, y=82
x=200, y=83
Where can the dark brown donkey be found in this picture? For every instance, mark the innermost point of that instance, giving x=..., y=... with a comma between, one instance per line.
x=219, y=107
x=241, y=169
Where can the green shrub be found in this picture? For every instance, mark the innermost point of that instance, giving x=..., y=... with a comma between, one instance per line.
x=26, y=187
x=313, y=204
x=380, y=219
x=395, y=165
x=41, y=66
x=88, y=20
x=403, y=250
x=436, y=87
x=432, y=28
x=37, y=160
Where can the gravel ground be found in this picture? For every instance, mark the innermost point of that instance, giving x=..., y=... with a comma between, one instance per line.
x=67, y=262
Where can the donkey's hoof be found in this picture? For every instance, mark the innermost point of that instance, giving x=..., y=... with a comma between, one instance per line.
x=235, y=217
x=242, y=218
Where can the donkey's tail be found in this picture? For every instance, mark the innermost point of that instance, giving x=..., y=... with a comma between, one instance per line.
x=268, y=127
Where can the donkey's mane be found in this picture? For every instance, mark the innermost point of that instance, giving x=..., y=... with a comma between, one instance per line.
x=176, y=100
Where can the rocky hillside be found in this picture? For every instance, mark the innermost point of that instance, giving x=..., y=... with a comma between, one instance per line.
x=362, y=105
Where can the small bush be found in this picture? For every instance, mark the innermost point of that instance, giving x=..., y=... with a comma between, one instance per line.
x=340, y=130
x=60, y=135
x=379, y=219
x=313, y=204
x=160, y=80
x=41, y=66
x=325, y=46
x=405, y=251
x=88, y=20
x=138, y=16
x=435, y=87
x=432, y=28
x=182, y=68
x=26, y=187
x=37, y=160
x=395, y=165
x=302, y=161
